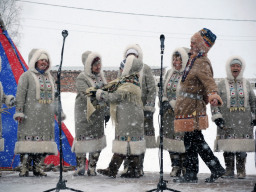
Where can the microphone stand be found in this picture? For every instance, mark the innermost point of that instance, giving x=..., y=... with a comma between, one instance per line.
x=62, y=183
x=161, y=186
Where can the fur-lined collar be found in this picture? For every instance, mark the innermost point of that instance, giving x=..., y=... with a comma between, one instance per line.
x=34, y=58
x=228, y=68
x=137, y=48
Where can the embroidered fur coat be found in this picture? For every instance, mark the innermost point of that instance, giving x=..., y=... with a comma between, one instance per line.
x=238, y=111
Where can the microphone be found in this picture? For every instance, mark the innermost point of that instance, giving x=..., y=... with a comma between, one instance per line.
x=64, y=33
x=162, y=43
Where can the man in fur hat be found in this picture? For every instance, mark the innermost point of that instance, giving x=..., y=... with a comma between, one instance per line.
x=197, y=88
x=9, y=101
x=236, y=119
x=35, y=110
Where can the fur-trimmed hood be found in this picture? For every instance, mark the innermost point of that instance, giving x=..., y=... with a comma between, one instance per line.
x=132, y=65
x=137, y=48
x=85, y=56
x=33, y=57
x=228, y=68
x=88, y=63
x=183, y=51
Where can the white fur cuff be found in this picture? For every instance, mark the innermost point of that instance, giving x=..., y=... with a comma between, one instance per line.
x=136, y=147
x=172, y=145
x=236, y=145
x=18, y=115
x=48, y=147
x=2, y=144
x=88, y=146
x=216, y=116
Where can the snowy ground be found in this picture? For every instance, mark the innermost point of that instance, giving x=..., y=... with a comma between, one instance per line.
x=11, y=182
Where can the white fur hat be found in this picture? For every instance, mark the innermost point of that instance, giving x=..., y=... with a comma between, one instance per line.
x=132, y=65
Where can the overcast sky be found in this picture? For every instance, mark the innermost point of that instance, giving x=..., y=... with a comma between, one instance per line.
x=109, y=33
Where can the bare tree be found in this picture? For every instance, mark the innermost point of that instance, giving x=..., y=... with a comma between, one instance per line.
x=10, y=13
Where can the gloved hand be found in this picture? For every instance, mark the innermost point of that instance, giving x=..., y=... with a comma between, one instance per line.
x=166, y=106
x=93, y=93
x=253, y=123
x=148, y=114
x=106, y=118
x=220, y=122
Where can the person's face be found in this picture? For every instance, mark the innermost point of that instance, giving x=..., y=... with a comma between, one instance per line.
x=194, y=47
x=177, y=63
x=96, y=67
x=235, y=70
x=42, y=64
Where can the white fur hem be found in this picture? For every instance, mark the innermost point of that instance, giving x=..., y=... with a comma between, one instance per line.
x=8, y=100
x=172, y=145
x=216, y=116
x=88, y=146
x=2, y=144
x=136, y=147
x=149, y=108
x=48, y=147
x=173, y=103
x=98, y=94
x=18, y=115
x=150, y=141
x=235, y=145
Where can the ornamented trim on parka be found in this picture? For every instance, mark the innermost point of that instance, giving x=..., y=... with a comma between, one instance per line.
x=189, y=66
x=44, y=95
x=241, y=93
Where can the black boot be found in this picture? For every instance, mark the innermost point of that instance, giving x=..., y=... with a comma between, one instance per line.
x=134, y=168
x=187, y=178
x=113, y=167
x=220, y=171
x=37, y=169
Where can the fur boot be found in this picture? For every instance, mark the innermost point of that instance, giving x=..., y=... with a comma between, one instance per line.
x=176, y=164
x=24, y=171
x=134, y=170
x=240, y=165
x=113, y=167
x=80, y=166
x=93, y=159
x=230, y=165
x=37, y=169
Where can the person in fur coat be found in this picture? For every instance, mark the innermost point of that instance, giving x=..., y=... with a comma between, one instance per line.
x=148, y=96
x=35, y=110
x=172, y=141
x=236, y=118
x=9, y=101
x=89, y=125
x=126, y=110
x=197, y=88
